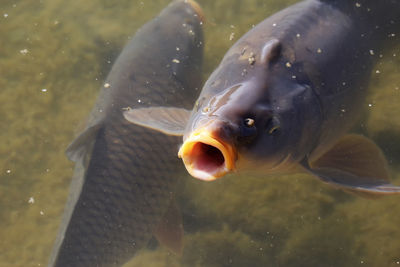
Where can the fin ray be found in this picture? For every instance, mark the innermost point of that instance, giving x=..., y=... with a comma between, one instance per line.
x=169, y=231
x=168, y=120
x=354, y=163
x=81, y=144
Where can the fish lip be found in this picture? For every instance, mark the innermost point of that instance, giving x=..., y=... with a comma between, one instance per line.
x=205, y=137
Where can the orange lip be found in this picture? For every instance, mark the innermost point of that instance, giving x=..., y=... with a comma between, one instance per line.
x=205, y=157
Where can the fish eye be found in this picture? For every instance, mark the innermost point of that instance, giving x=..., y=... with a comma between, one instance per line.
x=249, y=122
x=273, y=126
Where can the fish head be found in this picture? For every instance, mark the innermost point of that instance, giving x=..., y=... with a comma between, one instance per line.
x=247, y=120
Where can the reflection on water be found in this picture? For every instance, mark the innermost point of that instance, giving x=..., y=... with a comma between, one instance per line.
x=54, y=57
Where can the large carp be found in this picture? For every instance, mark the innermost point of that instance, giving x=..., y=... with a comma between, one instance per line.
x=125, y=175
x=286, y=94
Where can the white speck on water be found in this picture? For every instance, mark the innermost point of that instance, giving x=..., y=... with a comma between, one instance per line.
x=176, y=61
x=288, y=65
x=231, y=36
x=109, y=61
x=24, y=51
x=8, y=171
x=358, y=4
x=56, y=22
x=177, y=49
x=5, y=15
x=201, y=23
x=14, y=5
x=370, y=105
x=47, y=170
x=139, y=101
x=343, y=110
x=298, y=35
x=184, y=24
x=191, y=32
x=232, y=26
x=371, y=52
x=44, y=90
x=377, y=71
x=274, y=25
x=41, y=212
x=362, y=262
x=343, y=83
x=397, y=262
x=293, y=76
x=392, y=35
x=394, y=55
x=381, y=56
x=319, y=50
x=107, y=85
x=31, y=200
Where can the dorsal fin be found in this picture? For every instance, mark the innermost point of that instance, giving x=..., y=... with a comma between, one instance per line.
x=81, y=144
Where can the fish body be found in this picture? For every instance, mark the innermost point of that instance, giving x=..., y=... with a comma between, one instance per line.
x=288, y=91
x=125, y=175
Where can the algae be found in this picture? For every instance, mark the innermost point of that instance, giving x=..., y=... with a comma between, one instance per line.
x=55, y=55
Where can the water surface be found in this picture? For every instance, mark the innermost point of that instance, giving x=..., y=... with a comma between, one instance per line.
x=54, y=57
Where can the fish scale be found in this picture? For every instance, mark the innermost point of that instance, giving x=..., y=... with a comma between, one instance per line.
x=125, y=188
x=131, y=171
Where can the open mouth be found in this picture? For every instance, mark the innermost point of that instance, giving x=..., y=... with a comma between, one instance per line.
x=205, y=157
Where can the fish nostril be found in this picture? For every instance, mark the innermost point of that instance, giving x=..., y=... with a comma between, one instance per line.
x=273, y=126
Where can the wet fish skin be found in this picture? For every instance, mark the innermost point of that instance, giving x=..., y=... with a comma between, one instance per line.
x=301, y=77
x=319, y=53
x=286, y=93
x=125, y=175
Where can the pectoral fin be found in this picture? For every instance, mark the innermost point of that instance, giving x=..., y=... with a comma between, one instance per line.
x=168, y=120
x=169, y=231
x=355, y=163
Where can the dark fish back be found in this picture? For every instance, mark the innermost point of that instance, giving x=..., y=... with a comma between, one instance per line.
x=131, y=172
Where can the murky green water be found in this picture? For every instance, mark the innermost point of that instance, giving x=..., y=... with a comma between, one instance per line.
x=54, y=56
